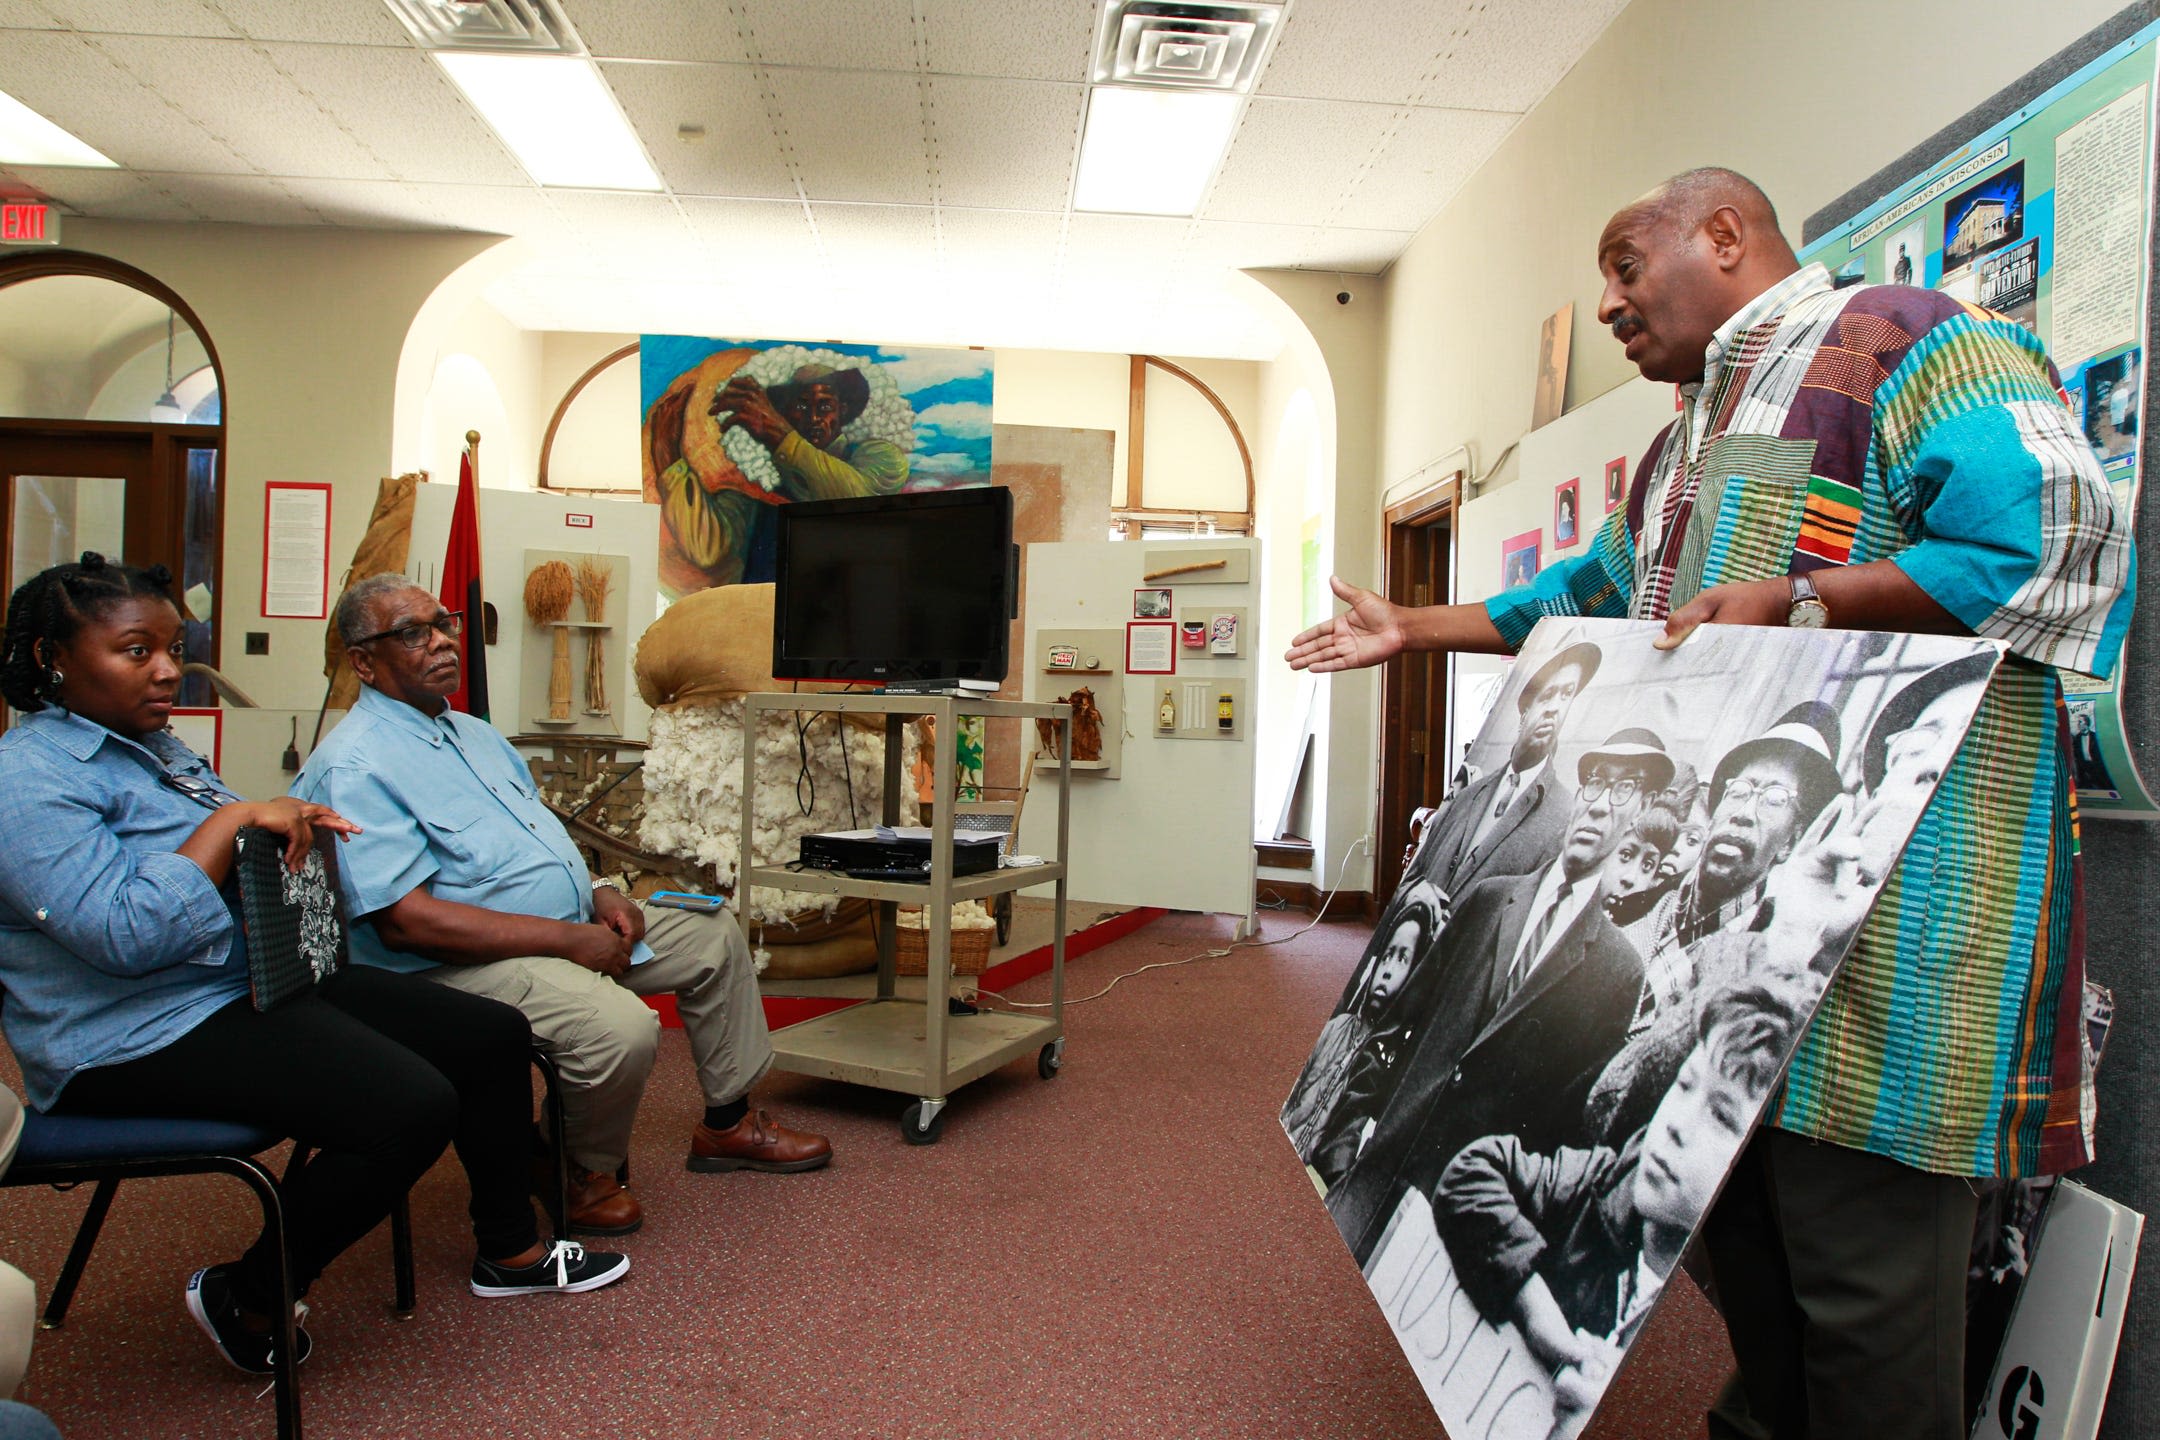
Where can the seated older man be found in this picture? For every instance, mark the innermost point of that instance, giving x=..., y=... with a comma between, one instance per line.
x=462, y=874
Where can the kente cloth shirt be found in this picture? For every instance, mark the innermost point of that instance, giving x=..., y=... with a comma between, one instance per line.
x=445, y=801
x=1880, y=422
x=112, y=944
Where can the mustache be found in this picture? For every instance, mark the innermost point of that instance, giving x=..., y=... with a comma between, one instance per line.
x=1625, y=327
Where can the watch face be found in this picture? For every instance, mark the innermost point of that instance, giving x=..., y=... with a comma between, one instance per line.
x=1808, y=615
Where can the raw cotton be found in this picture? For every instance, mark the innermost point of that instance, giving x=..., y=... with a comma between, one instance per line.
x=693, y=792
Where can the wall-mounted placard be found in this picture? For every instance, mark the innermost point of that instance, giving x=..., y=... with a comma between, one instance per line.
x=1151, y=647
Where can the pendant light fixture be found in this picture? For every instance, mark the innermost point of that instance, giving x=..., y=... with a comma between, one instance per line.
x=166, y=409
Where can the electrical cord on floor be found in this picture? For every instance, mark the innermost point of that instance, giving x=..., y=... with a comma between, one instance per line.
x=1217, y=954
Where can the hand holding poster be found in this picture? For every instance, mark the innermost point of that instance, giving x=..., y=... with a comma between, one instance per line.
x=1598, y=963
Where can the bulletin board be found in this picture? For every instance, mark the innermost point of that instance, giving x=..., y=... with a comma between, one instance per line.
x=2046, y=216
x=1173, y=826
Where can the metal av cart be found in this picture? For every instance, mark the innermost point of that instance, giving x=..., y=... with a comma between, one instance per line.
x=917, y=1048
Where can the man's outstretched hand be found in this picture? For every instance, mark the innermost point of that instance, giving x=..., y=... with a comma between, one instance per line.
x=1369, y=633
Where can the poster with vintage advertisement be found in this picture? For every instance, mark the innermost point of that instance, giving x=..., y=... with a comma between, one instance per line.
x=1575, y=1007
x=2045, y=218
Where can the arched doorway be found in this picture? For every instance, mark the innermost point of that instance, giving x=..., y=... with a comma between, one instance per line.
x=112, y=432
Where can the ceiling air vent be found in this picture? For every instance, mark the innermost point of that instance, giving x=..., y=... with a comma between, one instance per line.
x=521, y=27
x=1192, y=46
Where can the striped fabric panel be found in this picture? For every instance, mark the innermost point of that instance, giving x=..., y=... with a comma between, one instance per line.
x=1828, y=523
x=1947, y=1064
x=1847, y=372
x=1753, y=522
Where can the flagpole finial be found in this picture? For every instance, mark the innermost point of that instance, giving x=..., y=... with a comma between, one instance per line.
x=472, y=437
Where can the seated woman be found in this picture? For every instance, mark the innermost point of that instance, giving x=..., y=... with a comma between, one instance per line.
x=124, y=969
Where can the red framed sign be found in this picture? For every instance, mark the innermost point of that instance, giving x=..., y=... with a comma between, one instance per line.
x=296, y=551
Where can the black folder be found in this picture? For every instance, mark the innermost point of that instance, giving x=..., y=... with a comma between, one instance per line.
x=295, y=920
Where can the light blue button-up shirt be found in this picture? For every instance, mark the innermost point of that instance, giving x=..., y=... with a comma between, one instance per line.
x=444, y=801
x=112, y=945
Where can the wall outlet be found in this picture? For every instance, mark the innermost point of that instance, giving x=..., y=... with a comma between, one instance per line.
x=258, y=642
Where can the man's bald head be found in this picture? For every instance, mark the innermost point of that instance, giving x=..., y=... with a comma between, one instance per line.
x=1681, y=260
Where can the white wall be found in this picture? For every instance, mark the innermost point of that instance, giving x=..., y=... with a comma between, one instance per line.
x=1807, y=100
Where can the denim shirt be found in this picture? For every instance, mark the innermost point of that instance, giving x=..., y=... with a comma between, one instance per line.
x=112, y=945
x=441, y=800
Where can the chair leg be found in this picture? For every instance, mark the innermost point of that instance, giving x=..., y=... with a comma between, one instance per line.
x=551, y=1109
x=401, y=1261
x=285, y=1377
x=86, y=1234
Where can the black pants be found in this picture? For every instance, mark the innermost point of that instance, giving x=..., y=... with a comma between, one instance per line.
x=374, y=1071
x=1841, y=1276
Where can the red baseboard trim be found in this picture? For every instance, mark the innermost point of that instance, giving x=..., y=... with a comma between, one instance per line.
x=785, y=1010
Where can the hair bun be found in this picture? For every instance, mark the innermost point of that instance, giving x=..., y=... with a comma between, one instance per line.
x=91, y=560
x=160, y=577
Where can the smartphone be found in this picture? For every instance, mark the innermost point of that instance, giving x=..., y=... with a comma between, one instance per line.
x=684, y=900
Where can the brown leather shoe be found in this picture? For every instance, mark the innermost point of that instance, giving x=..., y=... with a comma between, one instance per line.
x=756, y=1142
x=599, y=1206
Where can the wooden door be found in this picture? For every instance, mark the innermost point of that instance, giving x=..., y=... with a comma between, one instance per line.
x=1414, y=743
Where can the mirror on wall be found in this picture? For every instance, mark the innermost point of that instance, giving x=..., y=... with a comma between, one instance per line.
x=84, y=347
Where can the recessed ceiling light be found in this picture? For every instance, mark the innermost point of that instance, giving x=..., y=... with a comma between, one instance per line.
x=28, y=138
x=1152, y=152
x=557, y=117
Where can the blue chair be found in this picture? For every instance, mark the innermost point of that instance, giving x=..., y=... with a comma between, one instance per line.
x=64, y=1151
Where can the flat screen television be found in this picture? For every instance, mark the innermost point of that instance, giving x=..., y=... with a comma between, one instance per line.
x=911, y=591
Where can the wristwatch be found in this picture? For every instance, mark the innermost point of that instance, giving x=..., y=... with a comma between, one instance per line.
x=1808, y=611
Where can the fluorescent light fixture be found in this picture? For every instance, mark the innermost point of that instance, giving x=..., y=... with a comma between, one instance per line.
x=1152, y=152
x=28, y=138
x=557, y=118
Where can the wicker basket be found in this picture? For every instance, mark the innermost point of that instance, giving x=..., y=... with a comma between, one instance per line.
x=970, y=950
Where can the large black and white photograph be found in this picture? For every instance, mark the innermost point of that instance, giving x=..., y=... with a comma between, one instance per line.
x=1599, y=959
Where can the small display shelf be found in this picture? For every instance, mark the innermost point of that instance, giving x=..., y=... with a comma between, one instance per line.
x=581, y=625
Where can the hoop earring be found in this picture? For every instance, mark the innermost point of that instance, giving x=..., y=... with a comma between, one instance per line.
x=53, y=681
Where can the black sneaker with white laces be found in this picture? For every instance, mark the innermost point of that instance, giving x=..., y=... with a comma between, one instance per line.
x=565, y=1270
x=210, y=1299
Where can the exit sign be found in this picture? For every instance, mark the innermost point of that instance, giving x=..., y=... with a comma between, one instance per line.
x=28, y=223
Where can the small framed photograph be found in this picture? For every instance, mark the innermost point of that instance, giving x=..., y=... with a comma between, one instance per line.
x=1615, y=483
x=1151, y=604
x=1151, y=647
x=1567, y=513
x=1519, y=558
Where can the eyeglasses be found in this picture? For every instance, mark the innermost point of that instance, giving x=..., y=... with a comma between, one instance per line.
x=209, y=796
x=1769, y=795
x=1622, y=791
x=415, y=635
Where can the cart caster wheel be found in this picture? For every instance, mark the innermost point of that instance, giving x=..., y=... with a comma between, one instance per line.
x=1050, y=1060
x=915, y=1132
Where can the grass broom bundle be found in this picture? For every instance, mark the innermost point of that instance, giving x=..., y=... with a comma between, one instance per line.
x=548, y=590
x=594, y=576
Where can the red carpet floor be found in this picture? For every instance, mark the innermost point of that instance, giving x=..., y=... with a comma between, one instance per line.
x=1128, y=1250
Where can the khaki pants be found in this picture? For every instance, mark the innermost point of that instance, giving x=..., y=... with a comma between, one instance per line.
x=602, y=1036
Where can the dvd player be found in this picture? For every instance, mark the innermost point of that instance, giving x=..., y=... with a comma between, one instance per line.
x=895, y=853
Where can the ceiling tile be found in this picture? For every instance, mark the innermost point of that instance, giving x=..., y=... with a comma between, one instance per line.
x=106, y=194
x=368, y=204
x=747, y=237
x=1424, y=163
x=141, y=17
x=877, y=234
x=615, y=225
x=244, y=199
x=401, y=108
x=235, y=91
x=1235, y=245
x=659, y=29
x=74, y=83
x=1046, y=40
x=737, y=156
x=326, y=22
x=1357, y=252
x=1009, y=143
x=855, y=35
x=855, y=136
x=1516, y=50
x=1292, y=159
x=999, y=242
x=1376, y=50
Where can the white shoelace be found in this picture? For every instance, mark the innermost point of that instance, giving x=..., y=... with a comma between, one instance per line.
x=565, y=1254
